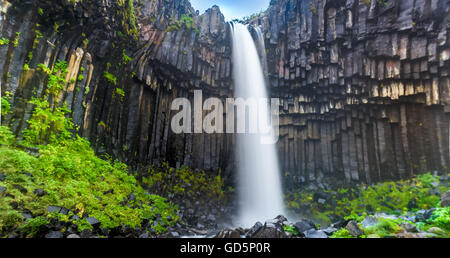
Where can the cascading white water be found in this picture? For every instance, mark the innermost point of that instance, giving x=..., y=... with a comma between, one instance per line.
x=259, y=189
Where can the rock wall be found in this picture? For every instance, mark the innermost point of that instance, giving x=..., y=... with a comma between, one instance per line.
x=364, y=84
x=365, y=87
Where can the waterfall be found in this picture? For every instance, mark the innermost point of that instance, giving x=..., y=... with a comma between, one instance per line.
x=259, y=184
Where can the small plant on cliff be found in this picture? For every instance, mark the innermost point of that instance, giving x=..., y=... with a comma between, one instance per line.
x=4, y=41
x=110, y=77
x=16, y=39
x=48, y=122
x=185, y=21
x=5, y=106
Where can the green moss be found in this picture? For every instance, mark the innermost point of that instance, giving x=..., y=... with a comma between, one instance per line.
x=75, y=178
x=184, y=183
x=342, y=233
x=110, y=77
x=390, y=197
x=384, y=228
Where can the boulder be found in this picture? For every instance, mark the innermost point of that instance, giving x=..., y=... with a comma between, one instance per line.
x=20, y=188
x=330, y=231
x=93, y=221
x=410, y=228
x=369, y=221
x=258, y=225
x=445, y=199
x=312, y=233
x=354, y=229
x=228, y=233
x=304, y=225
x=270, y=230
x=39, y=192
x=54, y=234
x=73, y=236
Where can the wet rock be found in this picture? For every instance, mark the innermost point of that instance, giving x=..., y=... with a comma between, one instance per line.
x=2, y=177
x=174, y=234
x=304, y=225
x=132, y=197
x=354, y=229
x=144, y=235
x=281, y=219
x=312, y=233
x=409, y=228
x=271, y=230
x=369, y=221
x=39, y=192
x=73, y=236
x=330, y=231
x=253, y=230
x=228, y=233
x=211, y=217
x=27, y=214
x=445, y=199
x=52, y=208
x=20, y=188
x=93, y=221
x=54, y=234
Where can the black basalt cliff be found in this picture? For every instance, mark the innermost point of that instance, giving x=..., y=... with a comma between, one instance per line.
x=364, y=84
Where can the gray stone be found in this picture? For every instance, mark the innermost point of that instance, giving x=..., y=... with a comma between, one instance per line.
x=54, y=234
x=369, y=221
x=354, y=229
x=2, y=177
x=73, y=236
x=409, y=228
x=330, y=230
x=270, y=230
x=2, y=189
x=304, y=225
x=445, y=199
x=39, y=192
x=53, y=208
x=252, y=231
x=20, y=188
x=174, y=234
x=312, y=233
x=144, y=235
x=93, y=221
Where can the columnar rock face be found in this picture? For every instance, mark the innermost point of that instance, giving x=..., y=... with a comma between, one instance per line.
x=364, y=85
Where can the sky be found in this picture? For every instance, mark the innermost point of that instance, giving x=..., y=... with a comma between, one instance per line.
x=232, y=9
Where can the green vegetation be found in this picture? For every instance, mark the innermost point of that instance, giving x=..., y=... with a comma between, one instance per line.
x=16, y=39
x=4, y=41
x=389, y=197
x=125, y=58
x=184, y=183
x=290, y=229
x=67, y=172
x=5, y=106
x=126, y=13
x=185, y=21
x=110, y=77
x=73, y=177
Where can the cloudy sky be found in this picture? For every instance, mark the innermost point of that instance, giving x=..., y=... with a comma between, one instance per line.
x=232, y=8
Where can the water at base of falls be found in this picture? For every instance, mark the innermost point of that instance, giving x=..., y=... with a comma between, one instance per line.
x=259, y=184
